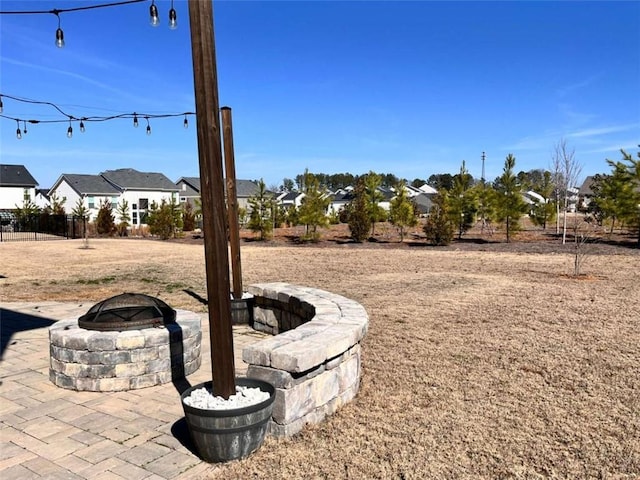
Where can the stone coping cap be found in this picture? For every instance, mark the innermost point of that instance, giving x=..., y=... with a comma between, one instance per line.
x=338, y=324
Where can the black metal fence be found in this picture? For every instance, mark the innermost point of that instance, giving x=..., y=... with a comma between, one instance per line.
x=42, y=226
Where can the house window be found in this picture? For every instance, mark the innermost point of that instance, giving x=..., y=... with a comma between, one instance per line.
x=114, y=202
x=144, y=203
x=134, y=206
x=92, y=202
x=27, y=195
x=134, y=216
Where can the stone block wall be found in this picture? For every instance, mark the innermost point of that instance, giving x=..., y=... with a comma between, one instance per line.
x=313, y=359
x=89, y=360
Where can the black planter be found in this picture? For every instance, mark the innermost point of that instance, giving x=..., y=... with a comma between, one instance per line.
x=242, y=311
x=223, y=435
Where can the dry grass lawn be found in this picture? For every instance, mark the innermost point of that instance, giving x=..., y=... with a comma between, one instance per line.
x=477, y=364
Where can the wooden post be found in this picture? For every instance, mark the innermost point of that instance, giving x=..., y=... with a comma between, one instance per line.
x=232, y=202
x=212, y=195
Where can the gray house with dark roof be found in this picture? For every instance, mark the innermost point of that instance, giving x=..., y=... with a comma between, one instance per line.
x=189, y=188
x=17, y=185
x=138, y=189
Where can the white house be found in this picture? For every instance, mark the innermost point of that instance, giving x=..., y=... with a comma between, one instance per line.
x=139, y=189
x=17, y=186
x=428, y=189
x=290, y=199
x=89, y=190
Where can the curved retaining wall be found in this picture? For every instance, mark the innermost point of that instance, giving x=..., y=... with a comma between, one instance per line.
x=313, y=359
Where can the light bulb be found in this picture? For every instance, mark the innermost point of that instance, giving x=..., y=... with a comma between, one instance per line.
x=153, y=13
x=173, y=19
x=24, y=130
x=18, y=132
x=70, y=131
x=148, y=129
x=186, y=122
x=1, y=106
x=59, y=38
x=135, y=120
x=82, y=129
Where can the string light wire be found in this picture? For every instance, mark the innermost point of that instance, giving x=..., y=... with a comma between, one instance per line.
x=55, y=11
x=69, y=118
x=173, y=24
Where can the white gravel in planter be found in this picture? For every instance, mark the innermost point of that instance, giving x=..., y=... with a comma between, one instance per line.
x=244, y=397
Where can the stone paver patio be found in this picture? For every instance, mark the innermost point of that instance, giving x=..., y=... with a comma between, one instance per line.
x=51, y=432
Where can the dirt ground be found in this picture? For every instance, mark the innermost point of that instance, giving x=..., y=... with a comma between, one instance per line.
x=483, y=359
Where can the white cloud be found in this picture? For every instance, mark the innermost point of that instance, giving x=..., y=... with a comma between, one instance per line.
x=592, y=132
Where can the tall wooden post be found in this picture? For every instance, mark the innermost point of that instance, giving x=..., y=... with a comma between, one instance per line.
x=232, y=202
x=212, y=195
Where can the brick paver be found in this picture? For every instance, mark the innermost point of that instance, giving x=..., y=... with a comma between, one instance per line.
x=50, y=432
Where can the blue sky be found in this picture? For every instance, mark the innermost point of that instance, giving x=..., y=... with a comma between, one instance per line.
x=410, y=88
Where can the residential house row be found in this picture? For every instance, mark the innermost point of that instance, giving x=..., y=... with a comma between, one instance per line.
x=141, y=189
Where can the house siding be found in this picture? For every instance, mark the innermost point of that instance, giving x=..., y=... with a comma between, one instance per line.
x=10, y=197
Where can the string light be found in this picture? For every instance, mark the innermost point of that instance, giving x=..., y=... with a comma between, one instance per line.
x=59, y=32
x=173, y=18
x=83, y=120
x=153, y=14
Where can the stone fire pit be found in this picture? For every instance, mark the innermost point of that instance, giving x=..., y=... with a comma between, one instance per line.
x=108, y=361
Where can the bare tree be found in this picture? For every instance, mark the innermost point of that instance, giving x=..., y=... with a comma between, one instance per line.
x=566, y=170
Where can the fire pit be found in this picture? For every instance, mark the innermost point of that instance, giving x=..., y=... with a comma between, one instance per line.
x=125, y=342
x=129, y=311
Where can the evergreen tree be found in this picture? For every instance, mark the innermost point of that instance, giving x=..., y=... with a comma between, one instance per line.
x=164, y=220
x=57, y=204
x=79, y=210
x=633, y=167
x=441, y=181
x=188, y=217
x=510, y=205
x=26, y=215
x=176, y=215
x=373, y=198
x=292, y=216
x=287, y=185
x=615, y=197
x=401, y=210
x=122, y=211
x=105, y=221
x=486, y=198
x=261, y=215
x=439, y=228
x=358, y=213
x=462, y=203
x=543, y=212
x=313, y=210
